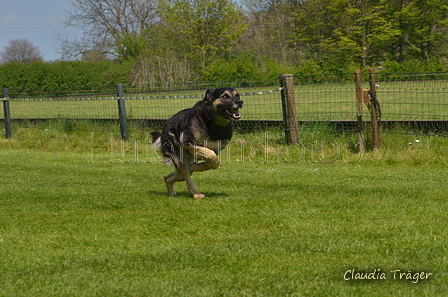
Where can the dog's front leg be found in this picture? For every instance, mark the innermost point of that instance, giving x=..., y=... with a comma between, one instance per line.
x=185, y=171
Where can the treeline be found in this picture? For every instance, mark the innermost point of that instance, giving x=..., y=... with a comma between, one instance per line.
x=215, y=40
x=68, y=74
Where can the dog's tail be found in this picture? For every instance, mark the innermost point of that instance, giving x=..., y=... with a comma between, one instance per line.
x=156, y=139
x=157, y=144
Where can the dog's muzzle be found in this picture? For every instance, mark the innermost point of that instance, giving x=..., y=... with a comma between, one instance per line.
x=233, y=112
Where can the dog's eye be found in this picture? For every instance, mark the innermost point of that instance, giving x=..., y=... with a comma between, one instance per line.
x=225, y=96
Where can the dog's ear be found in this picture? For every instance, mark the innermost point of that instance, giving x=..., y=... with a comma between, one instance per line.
x=208, y=96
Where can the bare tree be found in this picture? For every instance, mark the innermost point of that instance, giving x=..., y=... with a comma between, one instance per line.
x=22, y=51
x=270, y=23
x=104, y=24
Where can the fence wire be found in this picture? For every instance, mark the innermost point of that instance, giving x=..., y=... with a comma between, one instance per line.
x=408, y=102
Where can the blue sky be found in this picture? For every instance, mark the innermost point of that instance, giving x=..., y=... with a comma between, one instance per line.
x=34, y=20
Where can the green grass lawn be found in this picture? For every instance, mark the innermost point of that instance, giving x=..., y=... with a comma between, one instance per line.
x=83, y=221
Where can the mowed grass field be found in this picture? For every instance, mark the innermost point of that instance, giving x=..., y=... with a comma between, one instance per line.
x=81, y=218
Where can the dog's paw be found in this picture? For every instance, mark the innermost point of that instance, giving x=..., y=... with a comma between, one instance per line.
x=198, y=196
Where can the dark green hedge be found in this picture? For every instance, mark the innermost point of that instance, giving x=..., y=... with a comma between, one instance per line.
x=45, y=76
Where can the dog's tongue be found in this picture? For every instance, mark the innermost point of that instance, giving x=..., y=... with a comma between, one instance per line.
x=235, y=112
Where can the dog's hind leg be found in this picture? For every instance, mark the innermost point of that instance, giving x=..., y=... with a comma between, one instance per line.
x=171, y=178
x=186, y=172
x=182, y=174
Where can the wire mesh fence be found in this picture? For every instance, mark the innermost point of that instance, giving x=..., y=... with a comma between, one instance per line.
x=325, y=98
x=413, y=102
x=407, y=101
x=401, y=96
x=414, y=99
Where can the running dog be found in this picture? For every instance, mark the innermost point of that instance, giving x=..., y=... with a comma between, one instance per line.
x=192, y=139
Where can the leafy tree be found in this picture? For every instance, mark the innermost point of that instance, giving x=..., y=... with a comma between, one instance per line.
x=368, y=32
x=155, y=56
x=313, y=26
x=419, y=22
x=205, y=29
x=243, y=66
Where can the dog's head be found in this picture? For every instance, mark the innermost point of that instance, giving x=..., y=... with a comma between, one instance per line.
x=225, y=102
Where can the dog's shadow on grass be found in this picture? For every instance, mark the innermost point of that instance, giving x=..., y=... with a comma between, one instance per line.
x=186, y=194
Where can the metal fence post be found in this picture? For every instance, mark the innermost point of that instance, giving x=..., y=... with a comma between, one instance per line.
x=374, y=112
x=289, y=108
x=7, y=113
x=359, y=100
x=122, y=112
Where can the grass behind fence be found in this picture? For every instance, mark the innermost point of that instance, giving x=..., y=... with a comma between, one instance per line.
x=421, y=100
x=141, y=106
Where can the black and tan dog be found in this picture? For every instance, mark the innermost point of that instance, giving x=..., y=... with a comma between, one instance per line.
x=193, y=138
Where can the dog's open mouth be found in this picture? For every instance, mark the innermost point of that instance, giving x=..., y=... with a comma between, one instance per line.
x=233, y=113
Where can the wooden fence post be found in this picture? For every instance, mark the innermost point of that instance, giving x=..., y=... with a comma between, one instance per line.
x=374, y=112
x=122, y=112
x=359, y=100
x=289, y=108
x=7, y=113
